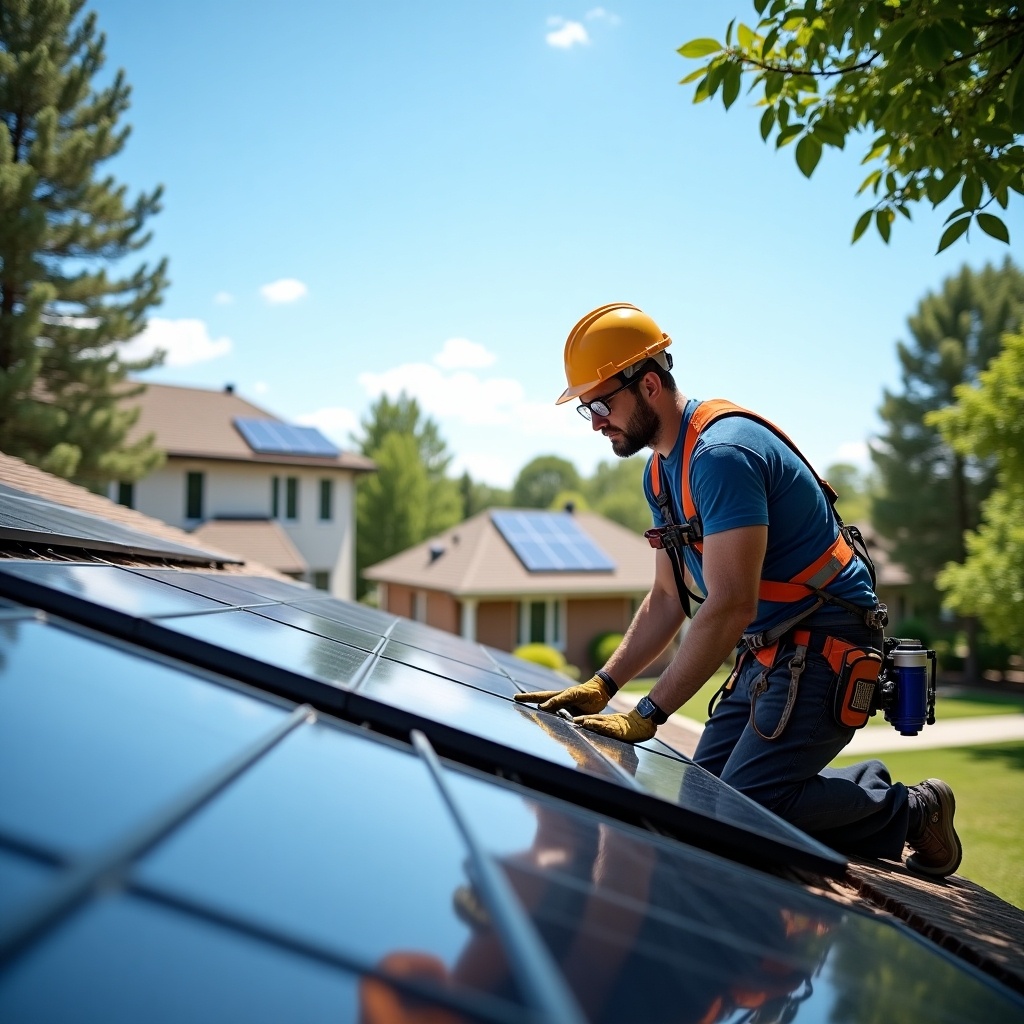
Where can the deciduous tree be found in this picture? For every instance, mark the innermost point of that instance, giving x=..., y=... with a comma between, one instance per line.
x=987, y=422
x=935, y=87
x=541, y=479
x=63, y=226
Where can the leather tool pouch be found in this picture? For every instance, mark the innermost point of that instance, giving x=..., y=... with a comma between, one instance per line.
x=857, y=671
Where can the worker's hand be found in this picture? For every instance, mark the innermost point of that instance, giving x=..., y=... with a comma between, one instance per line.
x=583, y=699
x=631, y=728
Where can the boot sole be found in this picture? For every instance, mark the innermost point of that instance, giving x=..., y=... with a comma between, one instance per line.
x=949, y=837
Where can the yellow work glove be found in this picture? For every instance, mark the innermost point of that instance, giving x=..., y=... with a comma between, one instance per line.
x=630, y=728
x=582, y=699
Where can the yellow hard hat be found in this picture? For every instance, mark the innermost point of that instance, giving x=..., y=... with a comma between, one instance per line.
x=607, y=341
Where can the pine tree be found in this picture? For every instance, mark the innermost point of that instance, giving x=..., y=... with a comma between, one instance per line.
x=930, y=493
x=62, y=226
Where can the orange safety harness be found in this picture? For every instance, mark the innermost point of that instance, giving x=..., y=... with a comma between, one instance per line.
x=673, y=537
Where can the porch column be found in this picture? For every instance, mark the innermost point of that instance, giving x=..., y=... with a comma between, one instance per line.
x=468, y=618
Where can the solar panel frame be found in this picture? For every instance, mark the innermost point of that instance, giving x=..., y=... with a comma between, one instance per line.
x=550, y=541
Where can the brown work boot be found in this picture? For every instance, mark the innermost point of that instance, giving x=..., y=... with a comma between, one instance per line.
x=937, y=849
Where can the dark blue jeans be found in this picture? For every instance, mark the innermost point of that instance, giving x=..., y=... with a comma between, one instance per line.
x=858, y=810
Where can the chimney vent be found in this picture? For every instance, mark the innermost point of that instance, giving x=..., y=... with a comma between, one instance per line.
x=229, y=389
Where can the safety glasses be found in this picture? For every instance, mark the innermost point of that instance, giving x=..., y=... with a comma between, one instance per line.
x=600, y=406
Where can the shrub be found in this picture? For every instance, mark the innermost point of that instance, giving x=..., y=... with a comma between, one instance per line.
x=602, y=647
x=913, y=629
x=548, y=657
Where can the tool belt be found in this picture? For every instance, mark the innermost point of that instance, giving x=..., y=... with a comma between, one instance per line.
x=856, y=668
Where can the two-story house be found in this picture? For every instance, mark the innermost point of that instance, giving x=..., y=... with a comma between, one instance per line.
x=243, y=480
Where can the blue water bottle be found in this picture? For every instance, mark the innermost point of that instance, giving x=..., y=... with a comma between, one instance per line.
x=910, y=665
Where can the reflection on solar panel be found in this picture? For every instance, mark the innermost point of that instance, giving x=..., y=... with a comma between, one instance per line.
x=550, y=541
x=226, y=797
x=272, y=437
x=27, y=519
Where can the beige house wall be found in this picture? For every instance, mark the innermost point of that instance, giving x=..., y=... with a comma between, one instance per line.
x=442, y=611
x=585, y=619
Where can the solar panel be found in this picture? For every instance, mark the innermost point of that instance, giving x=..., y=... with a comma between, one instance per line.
x=27, y=519
x=321, y=872
x=272, y=437
x=550, y=541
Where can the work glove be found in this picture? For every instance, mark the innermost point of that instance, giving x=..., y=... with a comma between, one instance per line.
x=630, y=728
x=583, y=699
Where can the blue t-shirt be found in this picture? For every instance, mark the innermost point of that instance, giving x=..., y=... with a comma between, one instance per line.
x=743, y=474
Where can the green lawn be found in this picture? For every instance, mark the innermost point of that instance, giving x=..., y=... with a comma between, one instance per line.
x=988, y=782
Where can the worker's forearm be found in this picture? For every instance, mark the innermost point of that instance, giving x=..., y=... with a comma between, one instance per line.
x=656, y=622
x=711, y=638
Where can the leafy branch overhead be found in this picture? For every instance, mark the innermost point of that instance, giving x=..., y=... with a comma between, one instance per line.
x=935, y=86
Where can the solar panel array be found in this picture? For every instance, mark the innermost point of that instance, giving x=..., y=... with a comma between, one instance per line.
x=550, y=541
x=225, y=797
x=27, y=519
x=272, y=437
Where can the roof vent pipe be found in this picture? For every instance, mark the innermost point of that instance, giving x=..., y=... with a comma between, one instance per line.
x=229, y=389
x=436, y=551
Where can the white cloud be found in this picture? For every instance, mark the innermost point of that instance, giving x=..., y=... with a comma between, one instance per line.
x=601, y=14
x=261, y=387
x=223, y=298
x=566, y=34
x=184, y=341
x=463, y=354
x=287, y=289
x=336, y=423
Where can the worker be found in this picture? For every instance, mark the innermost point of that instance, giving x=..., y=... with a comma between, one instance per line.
x=741, y=517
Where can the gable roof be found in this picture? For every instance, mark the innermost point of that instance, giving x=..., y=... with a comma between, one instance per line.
x=475, y=560
x=263, y=540
x=199, y=423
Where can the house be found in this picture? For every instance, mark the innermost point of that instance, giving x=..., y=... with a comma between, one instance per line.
x=237, y=477
x=507, y=577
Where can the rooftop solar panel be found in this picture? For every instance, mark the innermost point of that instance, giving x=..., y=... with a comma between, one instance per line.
x=337, y=875
x=272, y=437
x=27, y=519
x=550, y=541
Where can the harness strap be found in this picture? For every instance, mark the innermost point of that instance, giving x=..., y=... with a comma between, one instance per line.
x=797, y=665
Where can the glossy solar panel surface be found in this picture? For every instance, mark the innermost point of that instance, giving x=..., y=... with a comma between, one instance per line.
x=550, y=541
x=402, y=675
x=272, y=437
x=307, y=870
x=28, y=519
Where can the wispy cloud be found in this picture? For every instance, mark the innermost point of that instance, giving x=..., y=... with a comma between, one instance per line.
x=603, y=14
x=287, y=289
x=565, y=34
x=463, y=354
x=223, y=298
x=184, y=342
x=335, y=422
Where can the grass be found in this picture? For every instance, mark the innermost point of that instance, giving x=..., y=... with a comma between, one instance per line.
x=989, y=784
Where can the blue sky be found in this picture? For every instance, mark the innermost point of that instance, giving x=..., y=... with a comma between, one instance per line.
x=381, y=194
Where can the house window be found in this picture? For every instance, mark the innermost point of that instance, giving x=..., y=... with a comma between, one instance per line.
x=322, y=579
x=126, y=494
x=193, y=495
x=419, y=605
x=291, y=497
x=275, y=497
x=540, y=622
x=326, y=499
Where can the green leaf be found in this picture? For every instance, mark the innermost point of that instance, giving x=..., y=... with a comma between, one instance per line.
x=872, y=179
x=767, y=123
x=700, y=94
x=731, y=85
x=970, y=194
x=993, y=226
x=808, y=153
x=862, y=225
x=769, y=41
x=693, y=76
x=773, y=83
x=760, y=5
x=932, y=48
x=788, y=134
x=952, y=233
x=940, y=188
x=728, y=33
x=745, y=36
x=883, y=221
x=700, y=48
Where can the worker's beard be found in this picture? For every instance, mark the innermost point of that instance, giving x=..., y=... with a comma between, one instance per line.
x=641, y=431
